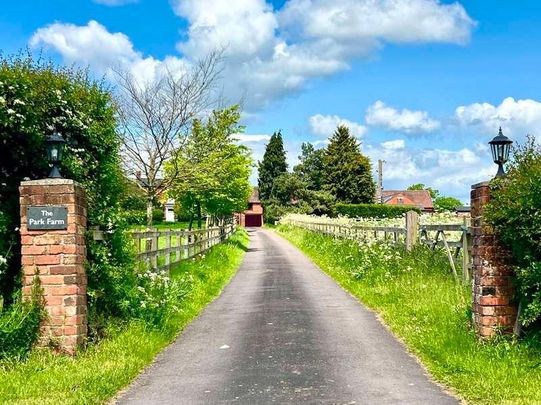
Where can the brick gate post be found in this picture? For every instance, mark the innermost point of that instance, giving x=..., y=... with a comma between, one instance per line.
x=53, y=226
x=493, y=307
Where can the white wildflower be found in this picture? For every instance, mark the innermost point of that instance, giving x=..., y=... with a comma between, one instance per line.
x=10, y=111
x=17, y=101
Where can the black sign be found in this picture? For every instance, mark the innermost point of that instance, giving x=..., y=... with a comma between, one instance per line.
x=47, y=217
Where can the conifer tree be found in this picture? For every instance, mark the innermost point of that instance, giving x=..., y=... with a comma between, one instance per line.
x=347, y=172
x=310, y=168
x=273, y=165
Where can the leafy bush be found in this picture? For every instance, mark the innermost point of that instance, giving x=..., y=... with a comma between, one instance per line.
x=515, y=213
x=19, y=325
x=35, y=98
x=374, y=210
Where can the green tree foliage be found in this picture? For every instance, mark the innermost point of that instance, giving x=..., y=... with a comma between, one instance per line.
x=273, y=165
x=215, y=170
x=446, y=203
x=347, y=172
x=420, y=186
x=310, y=168
x=515, y=213
x=292, y=195
x=441, y=203
x=35, y=98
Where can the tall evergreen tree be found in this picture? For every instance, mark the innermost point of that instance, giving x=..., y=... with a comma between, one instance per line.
x=310, y=168
x=347, y=172
x=273, y=165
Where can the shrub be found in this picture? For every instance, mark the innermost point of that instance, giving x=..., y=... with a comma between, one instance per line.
x=35, y=98
x=374, y=210
x=515, y=213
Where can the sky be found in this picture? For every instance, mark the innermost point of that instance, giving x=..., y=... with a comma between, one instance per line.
x=423, y=84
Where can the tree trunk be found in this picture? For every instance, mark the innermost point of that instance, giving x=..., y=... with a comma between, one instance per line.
x=150, y=206
x=198, y=215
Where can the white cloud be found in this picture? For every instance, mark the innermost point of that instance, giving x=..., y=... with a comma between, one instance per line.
x=270, y=54
x=325, y=125
x=95, y=46
x=452, y=172
x=410, y=122
x=516, y=117
x=396, y=21
x=394, y=145
x=244, y=138
x=115, y=3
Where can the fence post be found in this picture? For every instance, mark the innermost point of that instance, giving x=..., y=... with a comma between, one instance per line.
x=154, y=248
x=168, y=247
x=466, y=245
x=412, y=229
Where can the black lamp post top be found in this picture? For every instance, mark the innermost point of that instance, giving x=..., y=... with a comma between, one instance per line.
x=500, y=146
x=500, y=139
x=55, y=137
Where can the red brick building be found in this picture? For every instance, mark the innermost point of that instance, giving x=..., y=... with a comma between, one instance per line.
x=253, y=216
x=417, y=198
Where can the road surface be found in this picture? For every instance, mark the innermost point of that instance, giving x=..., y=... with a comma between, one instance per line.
x=284, y=332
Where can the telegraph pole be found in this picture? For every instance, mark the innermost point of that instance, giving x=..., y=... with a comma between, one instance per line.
x=379, y=194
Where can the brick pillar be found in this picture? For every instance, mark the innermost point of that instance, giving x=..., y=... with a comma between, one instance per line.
x=493, y=306
x=58, y=255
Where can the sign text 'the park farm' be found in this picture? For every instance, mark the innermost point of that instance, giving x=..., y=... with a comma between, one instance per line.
x=46, y=218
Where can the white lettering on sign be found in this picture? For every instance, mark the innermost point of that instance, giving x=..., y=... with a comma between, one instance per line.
x=49, y=217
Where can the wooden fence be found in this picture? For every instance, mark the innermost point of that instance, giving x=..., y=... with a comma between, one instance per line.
x=450, y=237
x=160, y=249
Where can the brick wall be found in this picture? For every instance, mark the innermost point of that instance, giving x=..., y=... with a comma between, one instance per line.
x=493, y=307
x=59, y=257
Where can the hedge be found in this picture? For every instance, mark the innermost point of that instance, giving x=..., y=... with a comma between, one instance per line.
x=374, y=210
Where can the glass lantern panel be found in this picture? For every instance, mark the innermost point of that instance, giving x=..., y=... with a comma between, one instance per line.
x=54, y=153
x=494, y=150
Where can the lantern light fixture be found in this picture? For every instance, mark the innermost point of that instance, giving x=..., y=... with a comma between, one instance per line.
x=500, y=146
x=55, y=147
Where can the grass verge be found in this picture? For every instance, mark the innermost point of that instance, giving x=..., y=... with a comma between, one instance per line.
x=99, y=372
x=420, y=302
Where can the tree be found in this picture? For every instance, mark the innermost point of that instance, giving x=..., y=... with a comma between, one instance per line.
x=347, y=172
x=273, y=165
x=155, y=117
x=420, y=186
x=288, y=189
x=446, y=203
x=215, y=170
x=310, y=168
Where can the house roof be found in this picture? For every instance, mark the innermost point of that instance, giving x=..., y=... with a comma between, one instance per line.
x=420, y=198
x=254, y=197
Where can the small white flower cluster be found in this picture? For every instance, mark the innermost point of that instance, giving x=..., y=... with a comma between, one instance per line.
x=3, y=260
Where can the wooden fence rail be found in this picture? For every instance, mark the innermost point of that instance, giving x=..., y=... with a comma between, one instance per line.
x=446, y=236
x=160, y=249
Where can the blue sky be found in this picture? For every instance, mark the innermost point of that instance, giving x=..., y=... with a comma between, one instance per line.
x=424, y=84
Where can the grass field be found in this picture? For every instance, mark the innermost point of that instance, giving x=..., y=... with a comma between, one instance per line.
x=420, y=302
x=99, y=372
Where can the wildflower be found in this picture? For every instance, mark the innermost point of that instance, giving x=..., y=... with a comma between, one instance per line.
x=17, y=101
x=3, y=260
x=10, y=111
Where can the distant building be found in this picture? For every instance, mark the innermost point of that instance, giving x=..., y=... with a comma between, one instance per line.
x=417, y=198
x=253, y=216
x=463, y=211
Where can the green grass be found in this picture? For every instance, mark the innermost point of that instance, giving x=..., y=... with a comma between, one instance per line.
x=99, y=372
x=420, y=302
